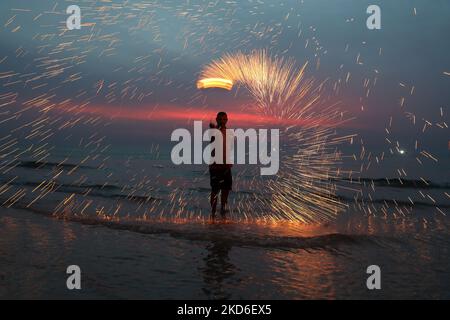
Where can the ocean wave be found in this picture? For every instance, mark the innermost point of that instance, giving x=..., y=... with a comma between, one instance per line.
x=394, y=202
x=107, y=191
x=114, y=191
x=400, y=183
x=227, y=234
x=50, y=165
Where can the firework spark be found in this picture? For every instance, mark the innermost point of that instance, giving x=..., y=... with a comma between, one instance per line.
x=215, y=83
x=305, y=188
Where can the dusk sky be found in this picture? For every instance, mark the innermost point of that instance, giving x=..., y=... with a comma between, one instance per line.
x=337, y=186
x=138, y=61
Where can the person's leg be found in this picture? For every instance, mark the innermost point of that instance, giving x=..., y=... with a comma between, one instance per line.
x=213, y=200
x=224, y=201
x=226, y=187
x=214, y=191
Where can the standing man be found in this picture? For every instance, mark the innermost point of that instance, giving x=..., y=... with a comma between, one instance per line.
x=220, y=173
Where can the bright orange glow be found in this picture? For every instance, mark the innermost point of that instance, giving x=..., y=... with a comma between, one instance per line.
x=215, y=83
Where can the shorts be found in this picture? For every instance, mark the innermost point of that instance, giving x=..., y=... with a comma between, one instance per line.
x=220, y=178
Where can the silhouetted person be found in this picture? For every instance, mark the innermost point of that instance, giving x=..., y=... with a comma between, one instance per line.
x=220, y=173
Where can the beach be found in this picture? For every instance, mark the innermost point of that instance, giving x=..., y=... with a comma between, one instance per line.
x=170, y=262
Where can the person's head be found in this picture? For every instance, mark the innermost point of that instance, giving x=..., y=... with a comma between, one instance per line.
x=221, y=119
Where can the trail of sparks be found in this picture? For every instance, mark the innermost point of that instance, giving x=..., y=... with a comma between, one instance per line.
x=305, y=187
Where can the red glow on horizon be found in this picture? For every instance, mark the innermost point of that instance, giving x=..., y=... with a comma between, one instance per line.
x=175, y=113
